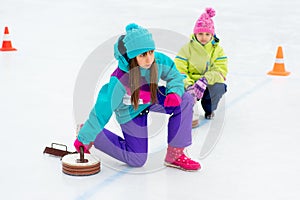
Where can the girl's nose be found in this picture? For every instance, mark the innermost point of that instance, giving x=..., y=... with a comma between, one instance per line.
x=148, y=57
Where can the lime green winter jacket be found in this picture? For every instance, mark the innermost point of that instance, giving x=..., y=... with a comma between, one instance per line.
x=196, y=61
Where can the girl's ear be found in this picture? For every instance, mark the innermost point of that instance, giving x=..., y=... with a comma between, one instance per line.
x=122, y=48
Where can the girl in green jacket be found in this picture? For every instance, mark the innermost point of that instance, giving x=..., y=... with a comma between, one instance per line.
x=203, y=62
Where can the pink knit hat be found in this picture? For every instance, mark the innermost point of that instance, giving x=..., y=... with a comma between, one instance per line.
x=205, y=23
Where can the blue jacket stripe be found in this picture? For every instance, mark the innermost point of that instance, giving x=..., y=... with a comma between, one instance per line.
x=181, y=58
x=221, y=58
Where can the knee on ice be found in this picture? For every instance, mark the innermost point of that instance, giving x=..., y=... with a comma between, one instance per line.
x=137, y=160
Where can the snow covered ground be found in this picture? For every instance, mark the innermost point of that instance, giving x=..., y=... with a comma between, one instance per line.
x=256, y=127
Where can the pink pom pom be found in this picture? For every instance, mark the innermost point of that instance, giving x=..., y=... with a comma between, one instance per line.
x=210, y=11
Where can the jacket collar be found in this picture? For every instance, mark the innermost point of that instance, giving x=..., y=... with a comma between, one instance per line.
x=213, y=42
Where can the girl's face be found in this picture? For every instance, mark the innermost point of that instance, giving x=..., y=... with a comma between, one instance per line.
x=204, y=38
x=146, y=59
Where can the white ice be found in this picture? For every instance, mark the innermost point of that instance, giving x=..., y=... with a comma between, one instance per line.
x=257, y=153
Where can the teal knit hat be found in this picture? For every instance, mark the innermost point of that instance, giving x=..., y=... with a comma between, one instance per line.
x=137, y=40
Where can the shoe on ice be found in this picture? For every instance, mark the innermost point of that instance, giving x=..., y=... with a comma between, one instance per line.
x=195, y=123
x=209, y=115
x=177, y=159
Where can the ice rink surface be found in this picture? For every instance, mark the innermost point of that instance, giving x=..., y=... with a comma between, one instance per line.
x=255, y=134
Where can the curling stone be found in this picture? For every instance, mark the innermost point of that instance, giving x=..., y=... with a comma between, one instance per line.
x=80, y=164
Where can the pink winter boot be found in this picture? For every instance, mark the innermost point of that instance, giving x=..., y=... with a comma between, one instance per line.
x=176, y=158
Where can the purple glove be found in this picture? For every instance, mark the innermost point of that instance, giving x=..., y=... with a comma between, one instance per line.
x=190, y=89
x=78, y=144
x=200, y=87
x=172, y=99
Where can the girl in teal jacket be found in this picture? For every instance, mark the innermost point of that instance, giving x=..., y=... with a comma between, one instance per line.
x=203, y=62
x=131, y=93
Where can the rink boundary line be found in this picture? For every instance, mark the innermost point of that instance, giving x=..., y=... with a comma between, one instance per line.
x=239, y=98
x=255, y=88
x=100, y=185
x=104, y=183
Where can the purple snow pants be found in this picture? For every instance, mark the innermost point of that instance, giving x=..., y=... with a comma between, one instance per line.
x=133, y=148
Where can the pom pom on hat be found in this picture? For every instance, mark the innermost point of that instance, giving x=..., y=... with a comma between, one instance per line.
x=210, y=11
x=137, y=40
x=205, y=24
x=131, y=26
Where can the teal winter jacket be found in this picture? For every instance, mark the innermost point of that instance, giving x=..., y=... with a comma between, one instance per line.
x=115, y=95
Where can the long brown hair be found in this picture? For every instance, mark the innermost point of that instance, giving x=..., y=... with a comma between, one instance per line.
x=135, y=77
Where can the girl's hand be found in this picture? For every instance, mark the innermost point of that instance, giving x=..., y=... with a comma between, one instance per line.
x=172, y=99
x=200, y=87
x=191, y=91
x=78, y=144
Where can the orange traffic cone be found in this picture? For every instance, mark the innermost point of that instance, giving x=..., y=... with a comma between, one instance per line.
x=6, y=45
x=279, y=69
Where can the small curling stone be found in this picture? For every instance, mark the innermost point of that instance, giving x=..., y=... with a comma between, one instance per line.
x=81, y=164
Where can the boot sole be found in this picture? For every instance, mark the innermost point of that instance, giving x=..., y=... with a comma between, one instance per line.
x=195, y=123
x=178, y=167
